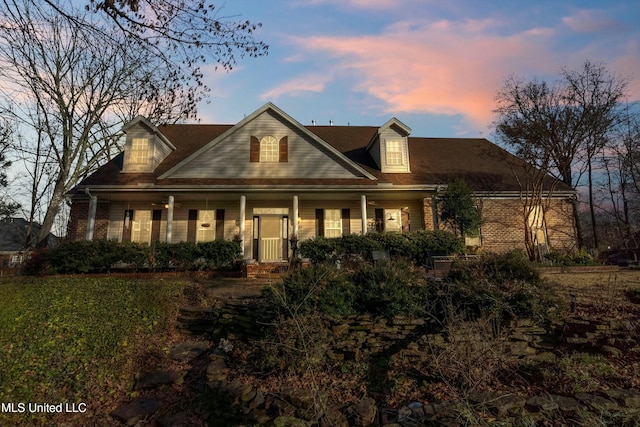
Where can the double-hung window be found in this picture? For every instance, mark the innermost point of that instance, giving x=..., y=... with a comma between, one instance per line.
x=394, y=152
x=139, y=150
x=332, y=223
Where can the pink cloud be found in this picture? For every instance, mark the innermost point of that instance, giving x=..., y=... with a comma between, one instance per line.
x=306, y=83
x=440, y=67
x=446, y=67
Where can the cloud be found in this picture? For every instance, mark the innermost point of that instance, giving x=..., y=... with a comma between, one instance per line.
x=307, y=83
x=590, y=21
x=442, y=67
x=451, y=67
x=358, y=4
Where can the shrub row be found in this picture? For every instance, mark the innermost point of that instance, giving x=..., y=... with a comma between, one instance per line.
x=101, y=255
x=500, y=286
x=417, y=245
x=387, y=288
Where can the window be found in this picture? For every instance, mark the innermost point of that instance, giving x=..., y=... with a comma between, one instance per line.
x=141, y=230
x=332, y=223
x=269, y=149
x=536, y=225
x=394, y=152
x=206, y=225
x=139, y=150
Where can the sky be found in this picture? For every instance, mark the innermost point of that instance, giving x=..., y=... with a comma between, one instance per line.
x=434, y=65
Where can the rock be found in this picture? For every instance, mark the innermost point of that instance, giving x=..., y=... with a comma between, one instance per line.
x=596, y=402
x=544, y=403
x=188, y=350
x=333, y=417
x=155, y=379
x=496, y=403
x=627, y=398
x=130, y=413
x=175, y=420
x=285, y=421
x=364, y=412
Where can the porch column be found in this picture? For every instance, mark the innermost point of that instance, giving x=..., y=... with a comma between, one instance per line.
x=243, y=209
x=295, y=215
x=170, y=204
x=91, y=220
x=363, y=213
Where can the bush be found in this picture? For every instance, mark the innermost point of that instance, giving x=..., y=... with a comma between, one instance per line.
x=219, y=253
x=504, y=286
x=389, y=288
x=100, y=255
x=318, y=288
x=581, y=257
x=417, y=245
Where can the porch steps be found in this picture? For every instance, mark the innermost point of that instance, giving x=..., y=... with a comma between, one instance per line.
x=270, y=270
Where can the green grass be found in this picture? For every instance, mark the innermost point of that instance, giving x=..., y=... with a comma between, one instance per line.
x=74, y=339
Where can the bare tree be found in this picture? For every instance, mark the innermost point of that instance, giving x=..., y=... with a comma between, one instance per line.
x=8, y=207
x=70, y=82
x=565, y=122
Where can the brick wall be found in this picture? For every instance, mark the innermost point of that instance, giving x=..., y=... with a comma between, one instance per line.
x=78, y=218
x=503, y=224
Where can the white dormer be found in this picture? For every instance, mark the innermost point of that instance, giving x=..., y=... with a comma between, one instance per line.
x=390, y=147
x=145, y=146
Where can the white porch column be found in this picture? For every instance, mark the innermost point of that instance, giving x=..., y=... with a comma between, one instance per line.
x=170, y=205
x=243, y=209
x=363, y=213
x=91, y=220
x=295, y=215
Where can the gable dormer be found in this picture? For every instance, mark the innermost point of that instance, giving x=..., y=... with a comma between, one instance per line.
x=145, y=146
x=390, y=147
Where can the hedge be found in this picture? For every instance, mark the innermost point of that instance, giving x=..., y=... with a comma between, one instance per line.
x=416, y=245
x=101, y=255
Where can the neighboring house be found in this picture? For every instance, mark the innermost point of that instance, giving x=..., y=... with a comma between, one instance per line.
x=14, y=244
x=269, y=177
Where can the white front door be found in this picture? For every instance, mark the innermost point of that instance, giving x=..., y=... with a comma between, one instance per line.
x=270, y=238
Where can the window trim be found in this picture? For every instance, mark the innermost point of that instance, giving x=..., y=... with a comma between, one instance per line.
x=332, y=226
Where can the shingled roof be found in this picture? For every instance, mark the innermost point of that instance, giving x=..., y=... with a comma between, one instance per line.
x=483, y=165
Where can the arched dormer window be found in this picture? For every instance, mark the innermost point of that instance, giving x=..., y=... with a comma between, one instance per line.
x=269, y=149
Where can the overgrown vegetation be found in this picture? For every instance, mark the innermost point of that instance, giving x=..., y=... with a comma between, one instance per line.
x=102, y=255
x=77, y=340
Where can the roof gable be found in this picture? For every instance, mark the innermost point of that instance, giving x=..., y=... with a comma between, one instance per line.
x=306, y=151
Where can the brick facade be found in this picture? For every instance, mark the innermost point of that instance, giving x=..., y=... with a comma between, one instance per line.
x=78, y=218
x=503, y=224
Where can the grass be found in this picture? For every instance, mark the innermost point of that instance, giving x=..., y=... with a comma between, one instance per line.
x=75, y=340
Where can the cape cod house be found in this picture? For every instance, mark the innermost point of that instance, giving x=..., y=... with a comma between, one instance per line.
x=268, y=177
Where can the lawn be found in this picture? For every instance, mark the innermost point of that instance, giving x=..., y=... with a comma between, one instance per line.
x=76, y=342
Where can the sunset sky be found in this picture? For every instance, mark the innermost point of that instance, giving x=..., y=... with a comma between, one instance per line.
x=435, y=65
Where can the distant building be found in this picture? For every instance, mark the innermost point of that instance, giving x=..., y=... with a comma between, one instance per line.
x=14, y=244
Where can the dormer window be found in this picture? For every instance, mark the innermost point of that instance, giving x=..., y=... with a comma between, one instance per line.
x=269, y=149
x=139, y=150
x=394, y=152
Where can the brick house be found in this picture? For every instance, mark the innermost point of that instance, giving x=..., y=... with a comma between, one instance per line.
x=268, y=177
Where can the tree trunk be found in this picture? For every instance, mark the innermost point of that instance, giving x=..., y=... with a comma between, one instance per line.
x=594, y=226
x=57, y=198
x=576, y=218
